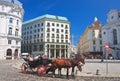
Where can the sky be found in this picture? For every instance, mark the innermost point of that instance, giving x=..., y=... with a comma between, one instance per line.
x=80, y=13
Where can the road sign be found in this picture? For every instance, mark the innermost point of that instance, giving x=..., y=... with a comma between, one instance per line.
x=107, y=46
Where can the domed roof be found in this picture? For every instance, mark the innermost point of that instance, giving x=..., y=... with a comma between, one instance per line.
x=12, y=1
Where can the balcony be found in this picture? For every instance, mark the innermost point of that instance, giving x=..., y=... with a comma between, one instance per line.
x=14, y=36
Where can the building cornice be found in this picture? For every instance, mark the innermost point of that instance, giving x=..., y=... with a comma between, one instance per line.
x=111, y=24
x=7, y=14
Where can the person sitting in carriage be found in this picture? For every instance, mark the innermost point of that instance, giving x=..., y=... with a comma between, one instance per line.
x=30, y=58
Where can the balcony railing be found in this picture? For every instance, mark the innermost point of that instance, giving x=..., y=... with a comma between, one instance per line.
x=13, y=36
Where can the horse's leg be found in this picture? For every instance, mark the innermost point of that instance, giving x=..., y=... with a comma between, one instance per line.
x=67, y=75
x=53, y=73
x=59, y=71
x=72, y=73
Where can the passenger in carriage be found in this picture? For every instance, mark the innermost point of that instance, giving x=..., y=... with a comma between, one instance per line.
x=30, y=57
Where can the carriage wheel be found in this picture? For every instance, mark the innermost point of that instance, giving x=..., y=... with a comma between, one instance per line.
x=41, y=71
x=24, y=68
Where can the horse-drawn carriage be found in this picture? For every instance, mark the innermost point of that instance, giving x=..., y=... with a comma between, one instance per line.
x=43, y=65
x=39, y=65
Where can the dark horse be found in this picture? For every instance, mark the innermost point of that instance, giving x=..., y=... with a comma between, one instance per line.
x=60, y=63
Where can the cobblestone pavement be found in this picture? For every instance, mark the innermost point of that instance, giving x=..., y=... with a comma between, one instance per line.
x=8, y=73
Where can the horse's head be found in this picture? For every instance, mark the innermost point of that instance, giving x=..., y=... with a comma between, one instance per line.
x=80, y=62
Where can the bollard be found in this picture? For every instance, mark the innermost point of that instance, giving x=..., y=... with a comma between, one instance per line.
x=76, y=72
x=97, y=72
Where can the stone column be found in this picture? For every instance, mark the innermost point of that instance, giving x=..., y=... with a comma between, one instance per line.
x=60, y=52
x=65, y=52
x=55, y=51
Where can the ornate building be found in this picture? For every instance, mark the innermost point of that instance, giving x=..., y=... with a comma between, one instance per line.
x=11, y=16
x=111, y=34
x=47, y=34
x=90, y=43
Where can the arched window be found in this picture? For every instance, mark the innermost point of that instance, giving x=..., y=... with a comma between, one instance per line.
x=115, y=36
x=11, y=20
x=16, y=32
x=10, y=31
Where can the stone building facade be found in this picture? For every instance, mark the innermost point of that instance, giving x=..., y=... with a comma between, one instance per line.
x=47, y=34
x=11, y=16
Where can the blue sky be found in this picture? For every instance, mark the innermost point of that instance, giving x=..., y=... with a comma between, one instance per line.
x=80, y=13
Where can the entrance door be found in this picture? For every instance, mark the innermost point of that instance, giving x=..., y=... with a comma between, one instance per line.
x=9, y=54
x=16, y=54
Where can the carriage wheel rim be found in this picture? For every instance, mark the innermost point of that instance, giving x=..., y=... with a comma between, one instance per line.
x=42, y=74
x=24, y=68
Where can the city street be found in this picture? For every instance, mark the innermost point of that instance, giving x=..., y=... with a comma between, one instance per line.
x=9, y=71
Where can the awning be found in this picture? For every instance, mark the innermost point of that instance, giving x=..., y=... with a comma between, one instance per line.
x=114, y=48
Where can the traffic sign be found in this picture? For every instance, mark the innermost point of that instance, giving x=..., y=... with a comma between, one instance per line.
x=107, y=46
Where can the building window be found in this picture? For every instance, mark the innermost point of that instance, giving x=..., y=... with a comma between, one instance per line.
x=10, y=31
x=57, y=40
x=41, y=35
x=93, y=41
x=16, y=42
x=48, y=29
x=57, y=35
x=38, y=36
x=35, y=47
x=57, y=31
x=35, y=31
x=100, y=48
x=62, y=41
x=112, y=17
x=16, y=32
x=53, y=40
x=41, y=40
x=3, y=8
x=66, y=26
x=66, y=41
x=66, y=36
x=48, y=35
x=48, y=24
x=41, y=24
x=17, y=22
x=53, y=35
x=53, y=29
x=53, y=24
x=115, y=37
x=38, y=41
x=100, y=35
x=66, y=31
x=9, y=41
x=48, y=40
x=34, y=41
x=100, y=41
x=62, y=36
x=61, y=25
x=11, y=20
x=41, y=29
x=38, y=25
x=94, y=49
x=35, y=26
x=57, y=25
x=40, y=47
x=62, y=30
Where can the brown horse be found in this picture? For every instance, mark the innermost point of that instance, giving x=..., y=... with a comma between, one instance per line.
x=60, y=63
